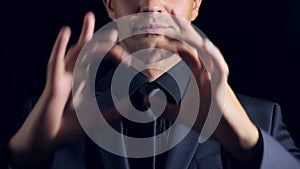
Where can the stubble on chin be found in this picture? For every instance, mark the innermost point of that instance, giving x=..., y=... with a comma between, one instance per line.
x=143, y=41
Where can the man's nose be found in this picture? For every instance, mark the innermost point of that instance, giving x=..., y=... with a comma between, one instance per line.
x=152, y=6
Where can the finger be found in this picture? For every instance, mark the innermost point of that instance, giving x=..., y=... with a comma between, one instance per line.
x=187, y=54
x=186, y=28
x=220, y=65
x=109, y=35
x=211, y=57
x=119, y=55
x=59, y=48
x=99, y=53
x=192, y=36
x=103, y=46
x=86, y=35
x=87, y=29
x=177, y=19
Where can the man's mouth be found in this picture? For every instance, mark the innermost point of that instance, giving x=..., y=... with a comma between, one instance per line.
x=151, y=29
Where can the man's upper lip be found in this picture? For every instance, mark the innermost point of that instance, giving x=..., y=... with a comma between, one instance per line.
x=151, y=26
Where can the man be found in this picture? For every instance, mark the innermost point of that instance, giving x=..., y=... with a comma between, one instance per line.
x=250, y=133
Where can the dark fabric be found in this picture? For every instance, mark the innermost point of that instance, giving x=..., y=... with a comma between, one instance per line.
x=139, y=89
x=278, y=148
x=209, y=155
x=139, y=130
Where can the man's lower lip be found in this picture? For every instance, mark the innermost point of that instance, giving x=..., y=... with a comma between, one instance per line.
x=151, y=30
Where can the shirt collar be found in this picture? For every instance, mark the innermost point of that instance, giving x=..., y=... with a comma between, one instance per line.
x=166, y=82
x=174, y=82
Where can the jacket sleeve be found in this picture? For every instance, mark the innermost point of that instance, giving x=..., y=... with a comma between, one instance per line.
x=5, y=138
x=279, y=150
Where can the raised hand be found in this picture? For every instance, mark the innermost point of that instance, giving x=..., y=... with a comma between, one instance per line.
x=52, y=121
x=220, y=113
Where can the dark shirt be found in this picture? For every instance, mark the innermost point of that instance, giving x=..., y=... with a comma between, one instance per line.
x=140, y=88
x=188, y=153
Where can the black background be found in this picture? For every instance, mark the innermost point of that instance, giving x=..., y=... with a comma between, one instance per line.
x=259, y=39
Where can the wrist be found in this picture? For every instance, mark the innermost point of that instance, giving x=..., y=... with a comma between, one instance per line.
x=236, y=132
x=242, y=145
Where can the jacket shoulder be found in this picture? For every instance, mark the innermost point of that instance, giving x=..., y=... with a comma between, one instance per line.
x=260, y=111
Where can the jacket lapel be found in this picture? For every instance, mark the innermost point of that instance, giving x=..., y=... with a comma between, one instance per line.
x=109, y=160
x=190, y=154
x=208, y=156
x=182, y=154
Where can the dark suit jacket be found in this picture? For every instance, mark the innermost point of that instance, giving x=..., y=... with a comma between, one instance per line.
x=279, y=150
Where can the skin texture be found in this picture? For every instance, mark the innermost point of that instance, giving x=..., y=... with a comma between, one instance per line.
x=235, y=126
x=185, y=9
x=117, y=9
x=53, y=123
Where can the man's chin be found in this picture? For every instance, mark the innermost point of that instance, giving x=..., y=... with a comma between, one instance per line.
x=145, y=41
